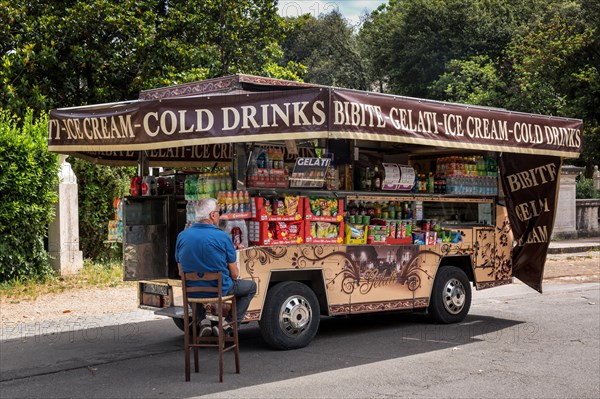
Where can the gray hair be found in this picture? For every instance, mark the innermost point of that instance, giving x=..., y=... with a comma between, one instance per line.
x=204, y=207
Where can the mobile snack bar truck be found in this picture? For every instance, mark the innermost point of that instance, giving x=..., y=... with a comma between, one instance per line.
x=341, y=202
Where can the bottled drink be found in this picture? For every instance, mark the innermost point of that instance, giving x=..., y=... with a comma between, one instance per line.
x=229, y=202
x=228, y=182
x=236, y=201
x=415, y=188
x=261, y=160
x=221, y=202
x=186, y=189
x=236, y=236
x=370, y=209
x=430, y=183
x=377, y=210
x=376, y=185
x=200, y=186
x=392, y=210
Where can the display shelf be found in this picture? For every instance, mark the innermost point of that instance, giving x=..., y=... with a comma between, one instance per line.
x=379, y=196
x=375, y=195
x=236, y=216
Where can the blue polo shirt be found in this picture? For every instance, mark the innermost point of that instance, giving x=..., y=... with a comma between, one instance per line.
x=205, y=248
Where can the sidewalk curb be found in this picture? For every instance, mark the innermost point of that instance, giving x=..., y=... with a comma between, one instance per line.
x=573, y=249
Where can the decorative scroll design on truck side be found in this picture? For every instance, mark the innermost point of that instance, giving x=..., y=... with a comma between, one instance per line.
x=308, y=256
x=356, y=275
x=300, y=256
x=263, y=256
x=493, y=252
x=369, y=307
x=492, y=284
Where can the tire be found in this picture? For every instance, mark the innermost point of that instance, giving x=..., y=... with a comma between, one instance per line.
x=290, y=317
x=179, y=323
x=451, y=296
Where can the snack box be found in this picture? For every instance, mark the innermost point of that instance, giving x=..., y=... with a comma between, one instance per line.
x=355, y=234
x=424, y=238
x=259, y=211
x=314, y=235
x=324, y=205
x=377, y=234
x=259, y=233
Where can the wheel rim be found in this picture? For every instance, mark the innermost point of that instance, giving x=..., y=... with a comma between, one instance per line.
x=454, y=296
x=295, y=315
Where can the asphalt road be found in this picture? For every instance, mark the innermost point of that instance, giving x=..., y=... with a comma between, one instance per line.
x=515, y=343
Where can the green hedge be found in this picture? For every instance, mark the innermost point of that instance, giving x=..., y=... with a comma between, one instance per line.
x=585, y=189
x=98, y=186
x=28, y=181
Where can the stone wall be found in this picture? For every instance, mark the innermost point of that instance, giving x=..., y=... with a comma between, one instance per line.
x=587, y=217
x=565, y=225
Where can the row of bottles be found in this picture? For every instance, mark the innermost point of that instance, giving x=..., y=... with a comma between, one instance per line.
x=207, y=185
x=429, y=184
x=472, y=185
x=467, y=185
x=270, y=158
x=233, y=202
x=371, y=179
x=467, y=166
x=228, y=201
x=381, y=209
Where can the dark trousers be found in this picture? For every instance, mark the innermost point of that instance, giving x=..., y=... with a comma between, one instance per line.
x=244, y=291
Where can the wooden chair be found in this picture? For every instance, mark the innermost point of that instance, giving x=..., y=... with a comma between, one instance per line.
x=193, y=340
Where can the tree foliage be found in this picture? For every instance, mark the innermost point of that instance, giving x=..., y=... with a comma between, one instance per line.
x=550, y=66
x=328, y=48
x=412, y=41
x=532, y=56
x=73, y=52
x=28, y=181
x=76, y=52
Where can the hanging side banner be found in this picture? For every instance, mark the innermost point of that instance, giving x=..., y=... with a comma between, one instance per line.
x=530, y=184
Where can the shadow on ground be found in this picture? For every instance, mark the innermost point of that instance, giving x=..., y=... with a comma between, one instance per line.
x=146, y=359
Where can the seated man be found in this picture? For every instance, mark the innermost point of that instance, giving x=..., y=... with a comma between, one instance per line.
x=205, y=248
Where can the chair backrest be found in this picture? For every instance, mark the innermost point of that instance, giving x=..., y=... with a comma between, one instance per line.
x=199, y=276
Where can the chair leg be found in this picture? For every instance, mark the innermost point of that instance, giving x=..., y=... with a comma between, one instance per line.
x=186, y=347
x=236, y=350
x=221, y=342
x=195, y=336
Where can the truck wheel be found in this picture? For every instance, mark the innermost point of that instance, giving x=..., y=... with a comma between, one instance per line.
x=290, y=317
x=451, y=296
x=179, y=323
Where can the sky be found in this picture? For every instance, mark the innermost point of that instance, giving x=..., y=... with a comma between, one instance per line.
x=350, y=9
